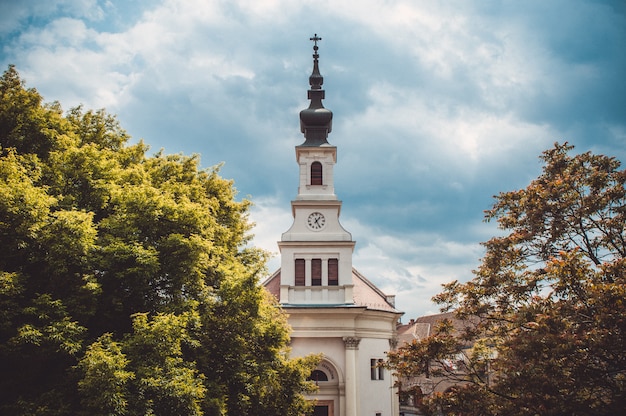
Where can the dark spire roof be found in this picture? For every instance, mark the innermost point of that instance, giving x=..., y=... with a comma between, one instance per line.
x=316, y=121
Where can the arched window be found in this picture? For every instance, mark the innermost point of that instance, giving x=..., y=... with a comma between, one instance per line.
x=316, y=173
x=318, y=375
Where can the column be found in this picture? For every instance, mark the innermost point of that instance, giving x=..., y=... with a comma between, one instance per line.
x=352, y=399
x=307, y=279
x=307, y=271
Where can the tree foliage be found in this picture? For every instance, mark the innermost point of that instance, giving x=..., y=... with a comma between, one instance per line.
x=126, y=283
x=548, y=301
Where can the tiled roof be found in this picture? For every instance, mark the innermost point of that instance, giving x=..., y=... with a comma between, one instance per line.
x=424, y=326
x=272, y=284
x=367, y=294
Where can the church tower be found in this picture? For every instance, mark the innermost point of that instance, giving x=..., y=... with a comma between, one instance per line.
x=316, y=252
x=333, y=309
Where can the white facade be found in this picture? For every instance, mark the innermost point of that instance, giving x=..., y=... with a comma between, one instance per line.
x=333, y=309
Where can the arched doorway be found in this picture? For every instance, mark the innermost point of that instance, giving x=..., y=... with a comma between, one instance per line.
x=328, y=398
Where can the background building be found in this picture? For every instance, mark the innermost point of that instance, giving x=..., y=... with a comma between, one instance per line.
x=415, y=388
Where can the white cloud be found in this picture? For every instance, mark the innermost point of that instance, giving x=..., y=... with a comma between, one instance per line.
x=16, y=13
x=436, y=140
x=271, y=218
x=412, y=266
x=437, y=105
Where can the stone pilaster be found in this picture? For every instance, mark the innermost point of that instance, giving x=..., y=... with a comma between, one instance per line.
x=352, y=393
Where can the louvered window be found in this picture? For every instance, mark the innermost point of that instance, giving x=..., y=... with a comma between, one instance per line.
x=333, y=272
x=300, y=272
x=316, y=173
x=316, y=272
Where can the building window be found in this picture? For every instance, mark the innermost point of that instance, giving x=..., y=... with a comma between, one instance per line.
x=321, y=411
x=316, y=272
x=333, y=272
x=318, y=375
x=300, y=272
x=377, y=372
x=316, y=173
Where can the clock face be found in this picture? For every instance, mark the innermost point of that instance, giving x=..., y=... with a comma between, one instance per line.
x=316, y=221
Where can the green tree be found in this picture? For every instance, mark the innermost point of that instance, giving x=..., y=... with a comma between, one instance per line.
x=547, y=303
x=103, y=387
x=127, y=286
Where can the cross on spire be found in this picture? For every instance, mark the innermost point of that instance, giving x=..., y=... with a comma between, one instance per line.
x=315, y=39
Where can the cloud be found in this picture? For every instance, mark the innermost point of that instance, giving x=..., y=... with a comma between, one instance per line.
x=437, y=106
x=17, y=15
x=413, y=265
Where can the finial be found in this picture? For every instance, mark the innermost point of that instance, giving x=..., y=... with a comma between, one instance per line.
x=315, y=39
x=316, y=121
x=316, y=80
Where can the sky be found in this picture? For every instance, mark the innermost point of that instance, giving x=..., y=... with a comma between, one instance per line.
x=438, y=105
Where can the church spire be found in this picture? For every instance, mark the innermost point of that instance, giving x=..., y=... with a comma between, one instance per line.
x=316, y=121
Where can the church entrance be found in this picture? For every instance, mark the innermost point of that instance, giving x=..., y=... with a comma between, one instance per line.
x=327, y=396
x=321, y=411
x=324, y=408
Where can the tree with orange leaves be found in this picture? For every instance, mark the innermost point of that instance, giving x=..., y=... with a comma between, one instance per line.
x=548, y=301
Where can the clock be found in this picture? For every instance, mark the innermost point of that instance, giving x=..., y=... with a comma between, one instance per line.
x=316, y=221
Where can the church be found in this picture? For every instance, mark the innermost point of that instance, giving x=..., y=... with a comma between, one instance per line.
x=333, y=309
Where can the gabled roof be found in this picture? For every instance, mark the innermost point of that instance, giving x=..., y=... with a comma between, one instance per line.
x=365, y=293
x=272, y=284
x=424, y=326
